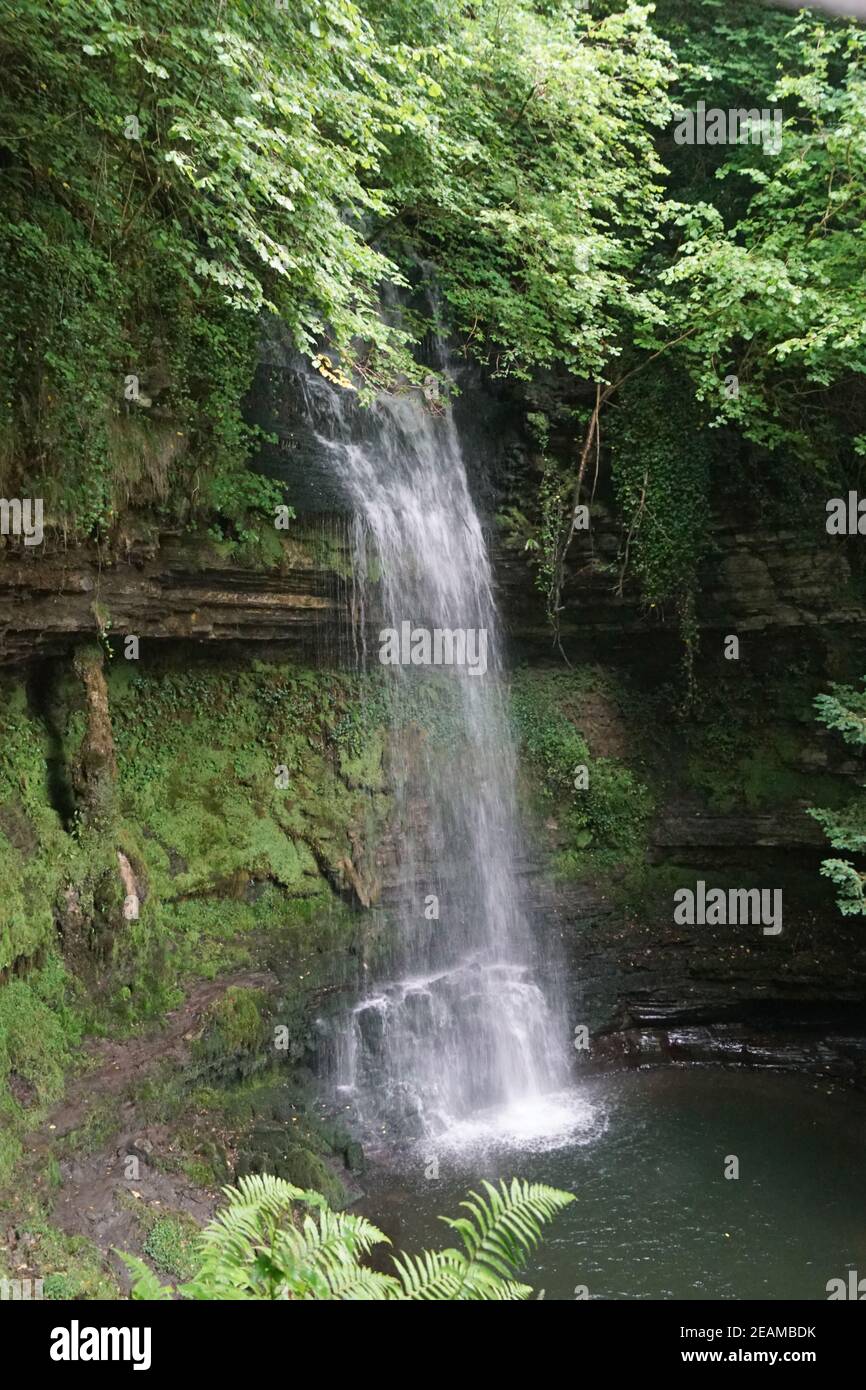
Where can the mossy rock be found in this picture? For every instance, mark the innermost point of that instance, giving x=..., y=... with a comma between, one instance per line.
x=301, y=1167
x=236, y=1025
x=240, y=1017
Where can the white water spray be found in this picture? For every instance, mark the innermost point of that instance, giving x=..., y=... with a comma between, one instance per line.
x=463, y=1026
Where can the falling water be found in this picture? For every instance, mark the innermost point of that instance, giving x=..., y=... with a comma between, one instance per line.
x=463, y=1026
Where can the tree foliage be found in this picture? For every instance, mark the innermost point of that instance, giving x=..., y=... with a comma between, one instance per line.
x=844, y=711
x=171, y=170
x=756, y=285
x=775, y=292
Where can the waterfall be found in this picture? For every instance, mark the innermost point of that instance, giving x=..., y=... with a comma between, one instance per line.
x=462, y=1025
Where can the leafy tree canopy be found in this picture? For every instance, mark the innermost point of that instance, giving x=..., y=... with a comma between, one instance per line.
x=173, y=170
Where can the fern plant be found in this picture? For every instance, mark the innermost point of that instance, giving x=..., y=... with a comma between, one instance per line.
x=275, y=1241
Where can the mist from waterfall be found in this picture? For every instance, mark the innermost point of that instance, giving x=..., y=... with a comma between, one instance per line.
x=463, y=1025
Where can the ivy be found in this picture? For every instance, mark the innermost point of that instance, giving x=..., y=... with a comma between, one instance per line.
x=661, y=468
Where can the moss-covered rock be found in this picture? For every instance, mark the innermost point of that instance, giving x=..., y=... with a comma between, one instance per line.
x=235, y=1036
x=237, y=794
x=569, y=726
x=269, y=1151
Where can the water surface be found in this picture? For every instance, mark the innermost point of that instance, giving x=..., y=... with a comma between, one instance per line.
x=654, y=1216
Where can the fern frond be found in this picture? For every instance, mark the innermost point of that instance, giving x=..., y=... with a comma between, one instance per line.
x=432, y=1275
x=502, y=1230
x=257, y=1248
x=325, y=1253
x=367, y=1286
x=145, y=1285
x=508, y=1290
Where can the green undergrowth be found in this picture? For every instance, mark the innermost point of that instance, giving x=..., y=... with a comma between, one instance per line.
x=170, y=1241
x=752, y=744
x=71, y=1266
x=604, y=822
x=242, y=796
x=249, y=800
x=39, y=1030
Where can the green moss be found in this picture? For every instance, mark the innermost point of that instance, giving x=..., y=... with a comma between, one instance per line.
x=757, y=767
x=171, y=1244
x=366, y=767
x=235, y=1021
x=34, y=851
x=200, y=1158
x=199, y=759
x=38, y=1029
x=306, y=1170
x=331, y=553
x=198, y=1172
x=602, y=823
x=231, y=864
x=33, y=1043
x=11, y=1147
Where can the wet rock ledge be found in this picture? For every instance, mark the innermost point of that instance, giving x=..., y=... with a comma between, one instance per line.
x=170, y=587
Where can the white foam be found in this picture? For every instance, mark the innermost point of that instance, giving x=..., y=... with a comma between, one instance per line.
x=537, y=1124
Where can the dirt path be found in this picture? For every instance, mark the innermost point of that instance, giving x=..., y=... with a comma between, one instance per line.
x=105, y=1193
x=116, y=1064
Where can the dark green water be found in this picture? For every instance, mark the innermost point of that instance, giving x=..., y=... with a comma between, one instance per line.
x=655, y=1216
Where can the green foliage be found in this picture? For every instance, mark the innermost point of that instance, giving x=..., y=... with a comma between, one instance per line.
x=226, y=860
x=38, y=1030
x=661, y=474
x=33, y=1042
x=170, y=175
x=750, y=312
x=844, y=711
x=610, y=814
x=170, y=1243
x=532, y=188
x=554, y=508
x=276, y=1241
x=768, y=278
x=499, y=1233
x=73, y=1266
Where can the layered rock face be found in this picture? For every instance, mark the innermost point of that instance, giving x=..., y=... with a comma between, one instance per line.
x=169, y=589
x=174, y=587
x=731, y=804
x=753, y=580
